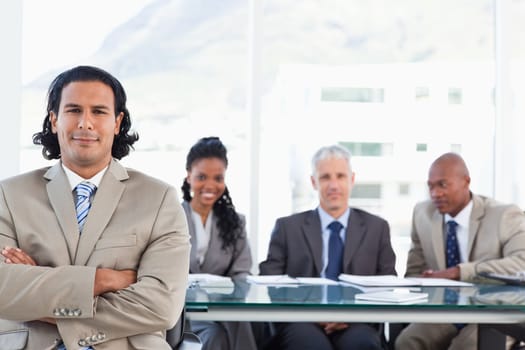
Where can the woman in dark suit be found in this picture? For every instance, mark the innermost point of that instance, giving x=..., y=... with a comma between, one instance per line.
x=218, y=236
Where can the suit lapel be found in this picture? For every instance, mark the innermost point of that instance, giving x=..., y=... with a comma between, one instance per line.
x=312, y=232
x=438, y=243
x=194, y=262
x=478, y=211
x=355, y=231
x=104, y=205
x=62, y=201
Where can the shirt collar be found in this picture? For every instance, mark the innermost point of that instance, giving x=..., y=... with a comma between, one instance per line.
x=75, y=179
x=326, y=218
x=463, y=217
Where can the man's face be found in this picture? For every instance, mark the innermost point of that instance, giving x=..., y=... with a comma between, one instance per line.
x=334, y=183
x=448, y=188
x=86, y=126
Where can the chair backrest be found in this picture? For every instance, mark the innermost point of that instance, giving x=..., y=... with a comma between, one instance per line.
x=179, y=339
x=175, y=335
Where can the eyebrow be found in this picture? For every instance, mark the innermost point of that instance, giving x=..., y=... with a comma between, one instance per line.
x=100, y=107
x=69, y=105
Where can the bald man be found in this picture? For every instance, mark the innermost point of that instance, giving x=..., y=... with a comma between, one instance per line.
x=487, y=236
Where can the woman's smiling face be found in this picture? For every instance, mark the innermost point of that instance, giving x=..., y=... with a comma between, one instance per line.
x=206, y=179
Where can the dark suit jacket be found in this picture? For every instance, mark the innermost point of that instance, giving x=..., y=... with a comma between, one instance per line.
x=296, y=246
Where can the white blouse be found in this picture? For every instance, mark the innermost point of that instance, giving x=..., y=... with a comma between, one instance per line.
x=202, y=234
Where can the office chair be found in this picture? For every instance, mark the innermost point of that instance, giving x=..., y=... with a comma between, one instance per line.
x=180, y=339
x=494, y=335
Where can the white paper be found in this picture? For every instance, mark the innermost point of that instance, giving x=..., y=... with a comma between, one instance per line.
x=394, y=281
x=439, y=282
x=209, y=280
x=316, y=281
x=378, y=280
x=396, y=297
x=272, y=279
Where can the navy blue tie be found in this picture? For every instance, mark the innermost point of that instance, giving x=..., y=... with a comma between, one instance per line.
x=451, y=296
x=335, y=251
x=452, y=244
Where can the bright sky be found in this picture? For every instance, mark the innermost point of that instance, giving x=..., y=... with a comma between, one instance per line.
x=58, y=33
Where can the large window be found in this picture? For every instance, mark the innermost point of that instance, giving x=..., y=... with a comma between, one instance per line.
x=398, y=83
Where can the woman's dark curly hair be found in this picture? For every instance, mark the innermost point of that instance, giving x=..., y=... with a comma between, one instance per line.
x=228, y=220
x=122, y=143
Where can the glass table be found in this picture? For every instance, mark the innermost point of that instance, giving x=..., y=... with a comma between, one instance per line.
x=481, y=304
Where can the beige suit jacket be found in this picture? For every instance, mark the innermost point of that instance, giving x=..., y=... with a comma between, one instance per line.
x=135, y=222
x=496, y=240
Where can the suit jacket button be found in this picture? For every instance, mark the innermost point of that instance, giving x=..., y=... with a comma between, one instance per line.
x=82, y=342
x=56, y=312
x=101, y=336
x=77, y=312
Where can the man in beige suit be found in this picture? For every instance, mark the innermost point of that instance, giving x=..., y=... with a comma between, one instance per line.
x=113, y=280
x=487, y=236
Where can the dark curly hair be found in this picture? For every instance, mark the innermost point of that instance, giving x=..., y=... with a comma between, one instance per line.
x=228, y=220
x=122, y=142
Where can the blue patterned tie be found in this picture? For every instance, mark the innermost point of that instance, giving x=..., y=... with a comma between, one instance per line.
x=451, y=296
x=452, y=244
x=335, y=251
x=84, y=191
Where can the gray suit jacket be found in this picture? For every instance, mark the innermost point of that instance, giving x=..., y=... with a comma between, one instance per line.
x=496, y=239
x=135, y=222
x=223, y=262
x=296, y=246
x=219, y=261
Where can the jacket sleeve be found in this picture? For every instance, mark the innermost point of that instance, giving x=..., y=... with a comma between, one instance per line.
x=386, y=257
x=242, y=258
x=505, y=252
x=275, y=263
x=32, y=292
x=416, y=263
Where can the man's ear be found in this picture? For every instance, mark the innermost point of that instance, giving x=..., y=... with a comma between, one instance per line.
x=118, y=120
x=53, y=121
x=314, y=183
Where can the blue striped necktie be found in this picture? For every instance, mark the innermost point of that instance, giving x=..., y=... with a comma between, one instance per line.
x=84, y=191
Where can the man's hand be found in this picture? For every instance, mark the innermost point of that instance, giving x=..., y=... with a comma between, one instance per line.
x=452, y=273
x=17, y=256
x=330, y=327
x=108, y=280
